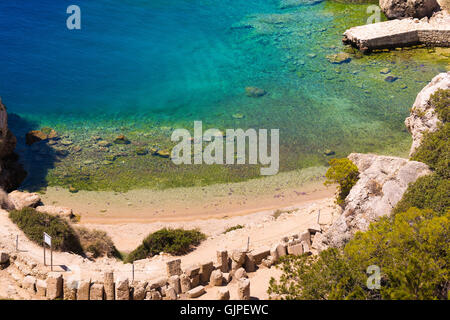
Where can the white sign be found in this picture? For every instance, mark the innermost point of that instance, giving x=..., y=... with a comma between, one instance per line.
x=47, y=239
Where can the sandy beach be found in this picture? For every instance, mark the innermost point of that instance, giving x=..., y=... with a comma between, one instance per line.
x=195, y=203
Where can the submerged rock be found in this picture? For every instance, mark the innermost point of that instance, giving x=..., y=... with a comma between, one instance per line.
x=35, y=136
x=163, y=153
x=103, y=143
x=339, y=58
x=255, y=92
x=121, y=139
x=141, y=151
x=391, y=79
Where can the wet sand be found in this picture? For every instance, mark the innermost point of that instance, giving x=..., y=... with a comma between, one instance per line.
x=186, y=204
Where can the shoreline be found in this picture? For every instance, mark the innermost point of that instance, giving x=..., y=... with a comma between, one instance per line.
x=194, y=203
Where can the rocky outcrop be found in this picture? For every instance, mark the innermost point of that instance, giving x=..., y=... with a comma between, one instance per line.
x=382, y=183
x=400, y=33
x=395, y=9
x=11, y=172
x=22, y=200
x=423, y=118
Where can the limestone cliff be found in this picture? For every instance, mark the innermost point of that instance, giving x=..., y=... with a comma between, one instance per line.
x=11, y=172
x=383, y=180
x=423, y=117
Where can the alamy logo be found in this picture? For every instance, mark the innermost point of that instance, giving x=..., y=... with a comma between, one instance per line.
x=213, y=153
x=374, y=280
x=376, y=14
x=73, y=22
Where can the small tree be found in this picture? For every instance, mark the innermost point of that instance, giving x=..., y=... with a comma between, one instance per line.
x=345, y=173
x=411, y=249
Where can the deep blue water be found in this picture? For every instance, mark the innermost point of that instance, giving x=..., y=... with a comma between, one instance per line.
x=129, y=57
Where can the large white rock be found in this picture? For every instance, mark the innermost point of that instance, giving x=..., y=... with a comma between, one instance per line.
x=56, y=211
x=382, y=183
x=22, y=200
x=394, y=9
x=423, y=118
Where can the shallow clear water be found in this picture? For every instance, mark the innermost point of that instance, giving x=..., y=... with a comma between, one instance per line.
x=142, y=68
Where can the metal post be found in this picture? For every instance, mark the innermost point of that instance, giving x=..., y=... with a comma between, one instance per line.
x=132, y=271
x=318, y=217
x=51, y=258
x=248, y=244
x=44, y=254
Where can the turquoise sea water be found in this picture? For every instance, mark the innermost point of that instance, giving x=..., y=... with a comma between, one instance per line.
x=142, y=68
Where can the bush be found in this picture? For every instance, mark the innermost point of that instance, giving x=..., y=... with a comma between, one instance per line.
x=173, y=241
x=430, y=192
x=411, y=249
x=345, y=173
x=435, y=150
x=237, y=227
x=34, y=224
x=326, y=276
x=440, y=101
x=97, y=243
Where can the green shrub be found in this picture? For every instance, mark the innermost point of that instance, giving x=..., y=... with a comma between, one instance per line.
x=98, y=243
x=345, y=173
x=428, y=192
x=34, y=224
x=237, y=227
x=434, y=150
x=411, y=249
x=325, y=276
x=440, y=101
x=279, y=212
x=173, y=241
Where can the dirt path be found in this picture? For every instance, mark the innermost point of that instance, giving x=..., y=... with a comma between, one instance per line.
x=262, y=228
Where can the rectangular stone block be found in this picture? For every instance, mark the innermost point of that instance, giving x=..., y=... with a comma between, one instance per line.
x=196, y=292
x=41, y=288
x=296, y=249
x=305, y=236
x=54, y=286
x=173, y=268
x=195, y=281
x=260, y=254
x=123, y=290
x=109, y=286
x=157, y=283
x=70, y=289
x=205, y=272
x=97, y=292
x=4, y=257
x=222, y=260
x=84, y=287
x=174, y=282
x=192, y=271
x=249, y=264
x=29, y=283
